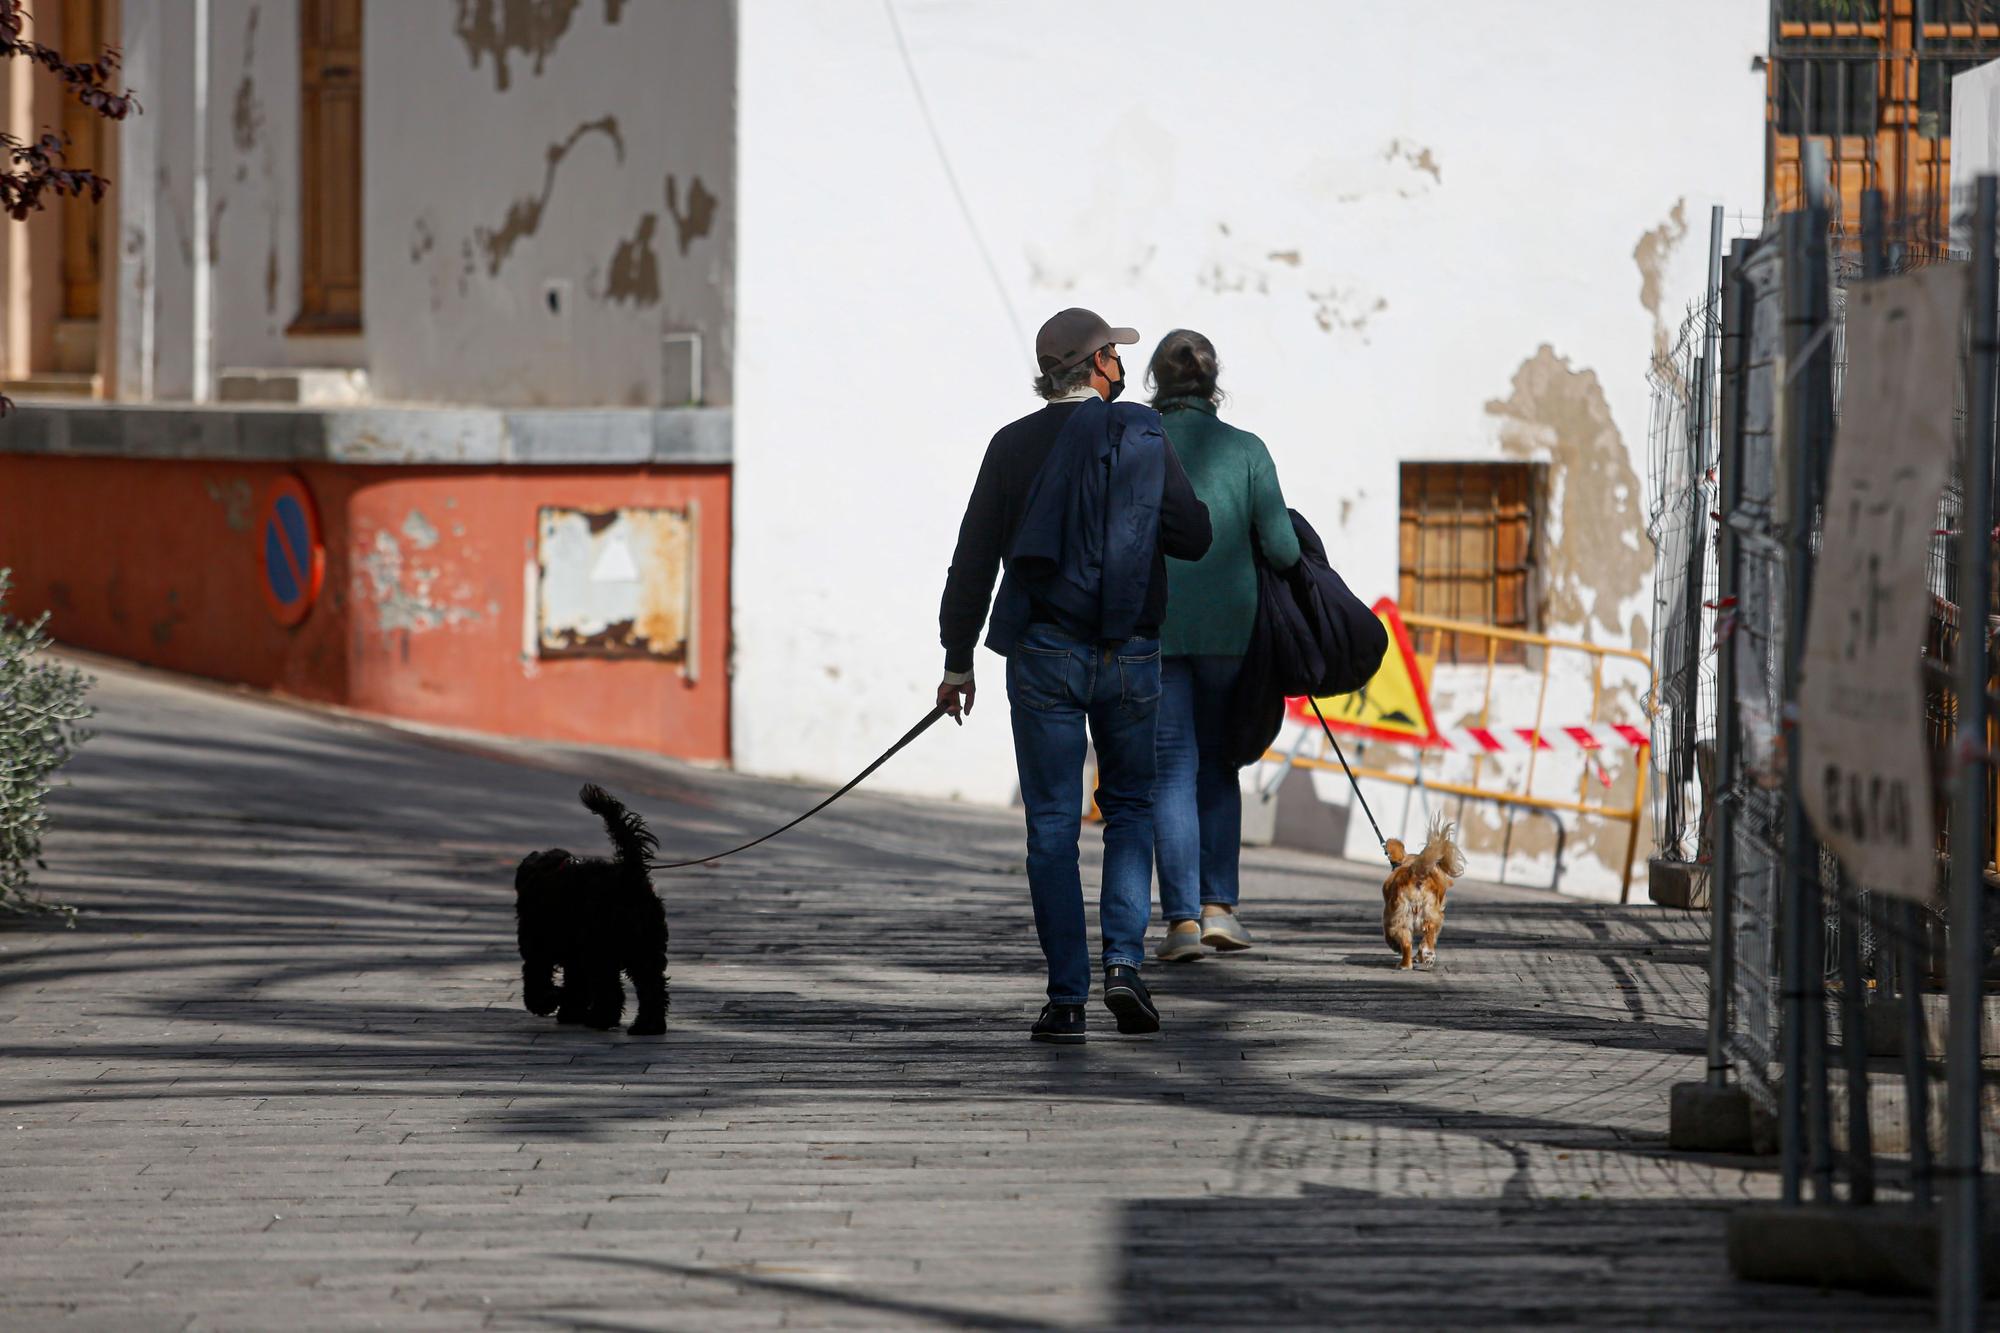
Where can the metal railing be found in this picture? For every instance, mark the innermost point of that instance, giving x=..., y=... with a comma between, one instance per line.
x=1489, y=780
x=1681, y=508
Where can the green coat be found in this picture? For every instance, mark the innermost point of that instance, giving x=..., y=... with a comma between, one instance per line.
x=1212, y=602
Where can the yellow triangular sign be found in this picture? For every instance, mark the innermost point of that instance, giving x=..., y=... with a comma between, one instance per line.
x=1395, y=705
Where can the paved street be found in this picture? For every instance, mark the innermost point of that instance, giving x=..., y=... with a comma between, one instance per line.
x=279, y=1076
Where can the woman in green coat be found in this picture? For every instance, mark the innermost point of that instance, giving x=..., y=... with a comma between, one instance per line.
x=1211, y=607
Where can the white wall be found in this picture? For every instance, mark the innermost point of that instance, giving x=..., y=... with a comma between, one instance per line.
x=465, y=225
x=1448, y=234
x=155, y=201
x=1380, y=214
x=253, y=154
x=1975, y=143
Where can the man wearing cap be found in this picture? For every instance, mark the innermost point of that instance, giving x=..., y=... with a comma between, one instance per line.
x=1084, y=500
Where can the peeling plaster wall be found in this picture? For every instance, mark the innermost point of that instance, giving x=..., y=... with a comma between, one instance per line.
x=548, y=189
x=154, y=279
x=429, y=604
x=519, y=151
x=253, y=135
x=1457, y=248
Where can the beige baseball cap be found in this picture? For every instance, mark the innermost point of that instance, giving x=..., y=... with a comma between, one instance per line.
x=1073, y=334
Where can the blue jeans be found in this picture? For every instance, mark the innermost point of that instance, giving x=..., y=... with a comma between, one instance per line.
x=1197, y=805
x=1055, y=687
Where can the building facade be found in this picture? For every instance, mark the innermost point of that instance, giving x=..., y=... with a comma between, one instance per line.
x=748, y=286
x=1871, y=80
x=464, y=272
x=1435, y=247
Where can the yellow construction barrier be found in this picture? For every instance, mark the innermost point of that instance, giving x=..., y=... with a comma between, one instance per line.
x=1412, y=661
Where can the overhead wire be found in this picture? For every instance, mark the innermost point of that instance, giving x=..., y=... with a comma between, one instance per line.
x=951, y=176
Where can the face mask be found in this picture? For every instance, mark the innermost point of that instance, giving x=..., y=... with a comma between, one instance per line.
x=1117, y=385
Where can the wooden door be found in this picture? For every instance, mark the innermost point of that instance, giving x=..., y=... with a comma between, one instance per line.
x=82, y=39
x=330, y=166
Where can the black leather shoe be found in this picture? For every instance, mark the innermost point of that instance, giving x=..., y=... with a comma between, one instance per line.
x=1129, y=1001
x=1059, y=1023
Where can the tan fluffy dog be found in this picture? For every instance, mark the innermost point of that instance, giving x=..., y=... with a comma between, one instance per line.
x=1413, y=895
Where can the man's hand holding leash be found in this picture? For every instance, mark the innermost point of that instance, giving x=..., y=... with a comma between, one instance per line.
x=955, y=696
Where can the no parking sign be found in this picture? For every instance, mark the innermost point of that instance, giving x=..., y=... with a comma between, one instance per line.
x=294, y=558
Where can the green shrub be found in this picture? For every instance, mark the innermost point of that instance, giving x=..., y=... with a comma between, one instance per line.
x=42, y=710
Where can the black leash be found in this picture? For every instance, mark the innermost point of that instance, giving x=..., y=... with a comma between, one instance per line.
x=860, y=778
x=1350, y=774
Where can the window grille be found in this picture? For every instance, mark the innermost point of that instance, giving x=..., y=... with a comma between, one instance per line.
x=1468, y=536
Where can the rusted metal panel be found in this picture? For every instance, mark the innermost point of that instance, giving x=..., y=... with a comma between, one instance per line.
x=614, y=583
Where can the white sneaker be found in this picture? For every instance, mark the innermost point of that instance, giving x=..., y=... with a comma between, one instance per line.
x=1224, y=932
x=1183, y=942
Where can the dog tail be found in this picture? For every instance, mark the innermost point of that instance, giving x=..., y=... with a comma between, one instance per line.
x=629, y=834
x=1440, y=851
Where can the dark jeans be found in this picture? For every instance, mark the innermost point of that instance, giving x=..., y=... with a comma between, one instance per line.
x=1056, y=687
x=1197, y=805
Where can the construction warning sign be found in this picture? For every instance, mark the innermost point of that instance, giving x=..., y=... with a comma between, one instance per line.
x=1395, y=705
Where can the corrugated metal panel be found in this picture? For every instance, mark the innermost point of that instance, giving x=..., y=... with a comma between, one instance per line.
x=615, y=583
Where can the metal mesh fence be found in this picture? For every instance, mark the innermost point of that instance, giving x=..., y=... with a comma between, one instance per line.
x=1753, y=623
x=1890, y=951
x=1681, y=468
x=1866, y=1029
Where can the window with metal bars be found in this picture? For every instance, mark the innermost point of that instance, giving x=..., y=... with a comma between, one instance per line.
x=1828, y=95
x=1836, y=11
x=1468, y=539
x=1934, y=78
x=1959, y=11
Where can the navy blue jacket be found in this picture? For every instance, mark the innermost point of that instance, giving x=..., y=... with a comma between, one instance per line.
x=1312, y=636
x=1038, y=464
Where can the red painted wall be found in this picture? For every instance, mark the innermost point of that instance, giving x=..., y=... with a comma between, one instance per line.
x=424, y=610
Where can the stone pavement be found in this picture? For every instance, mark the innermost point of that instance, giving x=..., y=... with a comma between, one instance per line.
x=279, y=1076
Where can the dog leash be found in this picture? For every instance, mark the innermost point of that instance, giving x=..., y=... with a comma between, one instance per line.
x=860, y=778
x=929, y=719
x=1350, y=776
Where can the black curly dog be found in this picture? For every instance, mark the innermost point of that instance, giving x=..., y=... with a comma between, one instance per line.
x=594, y=917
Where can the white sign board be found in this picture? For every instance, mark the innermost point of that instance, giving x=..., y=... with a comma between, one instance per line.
x=1864, y=770
x=1975, y=143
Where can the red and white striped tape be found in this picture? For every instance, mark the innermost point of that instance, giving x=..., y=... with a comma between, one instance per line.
x=1503, y=740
